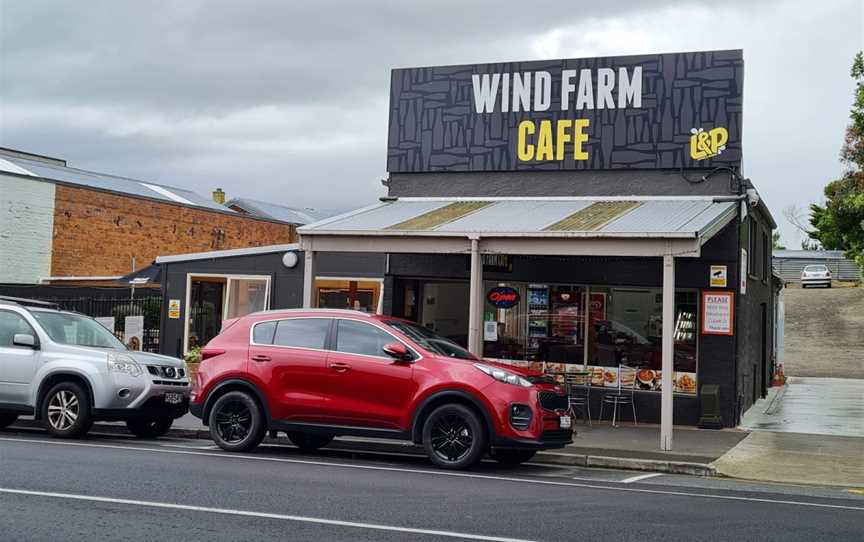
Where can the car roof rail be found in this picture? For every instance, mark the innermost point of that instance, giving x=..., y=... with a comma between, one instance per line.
x=25, y=302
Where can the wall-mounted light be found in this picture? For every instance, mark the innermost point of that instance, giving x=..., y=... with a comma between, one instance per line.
x=290, y=259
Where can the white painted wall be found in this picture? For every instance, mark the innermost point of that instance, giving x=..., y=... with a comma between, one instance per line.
x=26, y=229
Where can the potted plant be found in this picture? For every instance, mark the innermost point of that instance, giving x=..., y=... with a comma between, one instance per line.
x=193, y=359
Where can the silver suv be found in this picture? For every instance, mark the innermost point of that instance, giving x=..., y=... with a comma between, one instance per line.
x=68, y=371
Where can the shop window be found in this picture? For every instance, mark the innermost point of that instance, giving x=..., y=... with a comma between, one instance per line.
x=357, y=294
x=246, y=296
x=627, y=330
x=302, y=332
x=752, y=249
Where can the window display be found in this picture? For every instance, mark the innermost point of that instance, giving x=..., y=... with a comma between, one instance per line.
x=547, y=330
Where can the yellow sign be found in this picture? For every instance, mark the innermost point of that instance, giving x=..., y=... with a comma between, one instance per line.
x=717, y=277
x=704, y=145
x=174, y=309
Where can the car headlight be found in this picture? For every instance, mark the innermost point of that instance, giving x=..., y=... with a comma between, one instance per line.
x=123, y=363
x=504, y=376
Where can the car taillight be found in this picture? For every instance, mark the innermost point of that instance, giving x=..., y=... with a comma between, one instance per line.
x=208, y=353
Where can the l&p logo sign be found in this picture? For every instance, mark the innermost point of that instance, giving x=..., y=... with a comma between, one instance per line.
x=708, y=144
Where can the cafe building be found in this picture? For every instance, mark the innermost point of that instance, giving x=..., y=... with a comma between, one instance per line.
x=576, y=215
x=579, y=214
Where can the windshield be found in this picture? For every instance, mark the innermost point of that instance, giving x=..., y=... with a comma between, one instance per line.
x=814, y=268
x=431, y=341
x=76, y=330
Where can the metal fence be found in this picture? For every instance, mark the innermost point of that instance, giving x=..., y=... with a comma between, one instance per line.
x=149, y=307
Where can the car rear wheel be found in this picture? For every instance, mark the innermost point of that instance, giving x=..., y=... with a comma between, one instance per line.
x=151, y=428
x=511, y=458
x=7, y=419
x=236, y=422
x=66, y=411
x=454, y=437
x=309, y=441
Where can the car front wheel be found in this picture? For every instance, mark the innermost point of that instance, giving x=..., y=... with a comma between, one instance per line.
x=7, y=419
x=236, y=422
x=454, y=437
x=151, y=428
x=66, y=411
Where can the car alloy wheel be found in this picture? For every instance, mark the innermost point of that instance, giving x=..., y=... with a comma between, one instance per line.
x=454, y=437
x=236, y=422
x=65, y=410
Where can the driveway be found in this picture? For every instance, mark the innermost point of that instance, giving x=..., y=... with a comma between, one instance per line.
x=824, y=332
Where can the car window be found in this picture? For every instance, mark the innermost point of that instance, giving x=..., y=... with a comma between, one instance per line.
x=302, y=332
x=812, y=268
x=10, y=324
x=263, y=333
x=76, y=330
x=361, y=338
x=430, y=340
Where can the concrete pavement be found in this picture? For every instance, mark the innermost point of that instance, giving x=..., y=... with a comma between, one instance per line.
x=809, y=431
x=186, y=490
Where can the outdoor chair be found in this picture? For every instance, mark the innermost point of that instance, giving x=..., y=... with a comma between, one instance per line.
x=579, y=394
x=622, y=396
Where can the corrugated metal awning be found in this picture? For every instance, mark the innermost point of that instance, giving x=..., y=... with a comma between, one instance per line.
x=619, y=217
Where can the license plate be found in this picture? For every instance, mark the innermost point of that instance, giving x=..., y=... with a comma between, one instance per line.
x=175, y=398
x=566, y=422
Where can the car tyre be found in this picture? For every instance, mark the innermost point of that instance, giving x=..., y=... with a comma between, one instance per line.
x=66, y=410
x=237, y=422
x=309, y=442
x=7, y=419
x=454, y=437
x=511, y=458
x=149, y=428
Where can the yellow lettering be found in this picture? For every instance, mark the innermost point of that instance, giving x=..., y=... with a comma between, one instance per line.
x=579, y=138
x=562, y=137
x=544, y=141
x=525, y=150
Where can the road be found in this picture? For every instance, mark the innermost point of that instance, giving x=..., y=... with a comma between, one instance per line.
x=113, y=487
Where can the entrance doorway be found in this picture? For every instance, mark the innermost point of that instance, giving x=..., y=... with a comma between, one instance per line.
x=443, y=308
x=205, y=310
x=212, y=298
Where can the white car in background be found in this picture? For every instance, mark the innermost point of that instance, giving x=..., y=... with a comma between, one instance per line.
x=815, y=275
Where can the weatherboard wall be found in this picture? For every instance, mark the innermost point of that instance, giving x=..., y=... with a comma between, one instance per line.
x=26, y=225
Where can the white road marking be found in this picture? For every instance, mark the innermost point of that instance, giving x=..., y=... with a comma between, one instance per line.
x=640, y=477
x=187, y=447
x=429, y=472
x=266, y=515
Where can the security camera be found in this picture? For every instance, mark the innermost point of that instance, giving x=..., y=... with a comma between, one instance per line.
x=752, y=197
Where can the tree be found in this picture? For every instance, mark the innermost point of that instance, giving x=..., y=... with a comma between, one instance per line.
x=839, y=224
x=775, y=241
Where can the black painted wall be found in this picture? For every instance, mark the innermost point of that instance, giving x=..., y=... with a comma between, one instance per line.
x=286, y=285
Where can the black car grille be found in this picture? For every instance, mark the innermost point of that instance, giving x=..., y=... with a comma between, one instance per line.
x=550, y=400
x=166, y=372
x=557, y=435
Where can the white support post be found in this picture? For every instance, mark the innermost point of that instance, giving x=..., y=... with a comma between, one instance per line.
x=475, y=305
x=668, y=345
x=308, y=278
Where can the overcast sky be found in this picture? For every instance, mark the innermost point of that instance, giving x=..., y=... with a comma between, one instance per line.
x=287, y=101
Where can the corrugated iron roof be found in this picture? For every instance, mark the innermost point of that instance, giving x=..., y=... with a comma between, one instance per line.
x=54, y=171
x=283, y=213
x=608, y=217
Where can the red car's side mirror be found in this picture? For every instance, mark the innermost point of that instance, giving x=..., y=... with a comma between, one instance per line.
x=397, y=351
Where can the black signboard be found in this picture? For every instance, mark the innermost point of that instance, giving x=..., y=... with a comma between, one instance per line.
x=631, y=112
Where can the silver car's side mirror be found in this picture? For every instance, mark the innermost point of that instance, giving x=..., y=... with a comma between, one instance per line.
x=25, y=339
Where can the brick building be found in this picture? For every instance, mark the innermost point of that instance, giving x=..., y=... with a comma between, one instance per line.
x=63, y=225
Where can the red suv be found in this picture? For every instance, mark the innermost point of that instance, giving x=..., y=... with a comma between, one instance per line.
x=318, y=373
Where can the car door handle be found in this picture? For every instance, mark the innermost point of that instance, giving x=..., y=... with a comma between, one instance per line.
x=261, y=357
x=340, y=366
